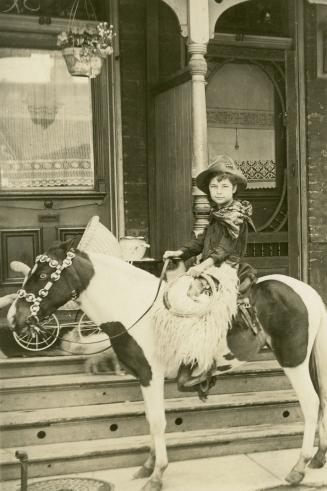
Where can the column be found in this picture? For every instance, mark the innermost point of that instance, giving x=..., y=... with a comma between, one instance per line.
x=198, y=37
x=198, y=69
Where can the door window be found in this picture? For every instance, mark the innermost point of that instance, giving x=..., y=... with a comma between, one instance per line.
x=241, y=121
x=45, y=123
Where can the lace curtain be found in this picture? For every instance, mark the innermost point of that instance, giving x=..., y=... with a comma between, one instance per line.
x=241, y=121
x=45, y=123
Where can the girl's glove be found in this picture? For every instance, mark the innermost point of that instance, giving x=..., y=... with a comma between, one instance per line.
x=200, y=268
x=196, y=271
x=172, y=254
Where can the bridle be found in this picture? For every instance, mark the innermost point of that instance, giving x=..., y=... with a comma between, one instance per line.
x=36, y=300
x=55, y=276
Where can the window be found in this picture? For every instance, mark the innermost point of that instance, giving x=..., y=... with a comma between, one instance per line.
x=241, y=121
x=45, y=123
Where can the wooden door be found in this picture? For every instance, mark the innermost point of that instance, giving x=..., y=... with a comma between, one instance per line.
x=247, y=105
x=57, y=152
x=172, y=185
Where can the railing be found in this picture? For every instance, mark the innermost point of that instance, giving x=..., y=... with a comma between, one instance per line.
x=267, y=244
x=268, y=252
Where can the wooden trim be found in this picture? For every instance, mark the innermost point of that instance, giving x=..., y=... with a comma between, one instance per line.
x=251, y=41
x=269, y=263
x=177, y=78
x=117, y=124
x=152, y=67
x=13, y=30
x=30, y=24
x=296, y=147
x=292, y=168
x=62, y=232
x=267, y=237
x=301, y=141
x=52, y=194
x=242, y=52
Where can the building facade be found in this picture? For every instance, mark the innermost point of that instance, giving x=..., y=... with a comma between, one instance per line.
x=188, y=79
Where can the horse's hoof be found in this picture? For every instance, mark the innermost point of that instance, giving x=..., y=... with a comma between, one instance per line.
x=152, y=485
x=143, y=472
x=317, y=463
x=294, y=477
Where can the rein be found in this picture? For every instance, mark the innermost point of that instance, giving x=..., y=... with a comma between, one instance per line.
x=162, y=275
x=55, y=276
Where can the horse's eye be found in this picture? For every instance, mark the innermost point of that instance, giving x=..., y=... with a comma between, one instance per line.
x=43, y=276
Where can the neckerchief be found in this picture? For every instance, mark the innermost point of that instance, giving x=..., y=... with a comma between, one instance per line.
x=234, y=215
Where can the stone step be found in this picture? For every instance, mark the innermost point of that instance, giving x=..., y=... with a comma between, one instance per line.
x=41, y=365
x=66, y=424
x=59, y=365
x=84, y=389
x=93, y=455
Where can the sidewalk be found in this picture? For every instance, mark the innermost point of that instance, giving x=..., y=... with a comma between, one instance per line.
x=246, y=472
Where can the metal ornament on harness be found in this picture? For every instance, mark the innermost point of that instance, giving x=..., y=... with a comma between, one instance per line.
x=55, y=276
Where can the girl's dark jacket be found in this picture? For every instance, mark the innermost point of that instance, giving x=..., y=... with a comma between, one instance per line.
x=218, y=243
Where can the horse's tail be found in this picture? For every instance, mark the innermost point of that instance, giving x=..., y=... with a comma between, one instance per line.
x=318, y=357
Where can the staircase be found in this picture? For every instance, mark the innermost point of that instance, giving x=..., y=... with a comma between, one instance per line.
x=70, y=422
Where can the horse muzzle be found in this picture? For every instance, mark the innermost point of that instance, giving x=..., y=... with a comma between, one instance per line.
x=19, y=316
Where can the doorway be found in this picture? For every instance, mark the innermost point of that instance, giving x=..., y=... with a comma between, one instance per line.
x=253, y=112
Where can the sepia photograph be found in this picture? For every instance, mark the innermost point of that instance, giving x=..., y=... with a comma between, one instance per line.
x=163, y=245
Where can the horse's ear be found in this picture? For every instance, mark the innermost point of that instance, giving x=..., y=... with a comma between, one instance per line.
x=69, y=244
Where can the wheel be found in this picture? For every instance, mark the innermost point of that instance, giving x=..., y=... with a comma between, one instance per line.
x=39, y=337
x=87, y=327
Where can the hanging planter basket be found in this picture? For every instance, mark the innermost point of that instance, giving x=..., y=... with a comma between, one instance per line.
x=80, y=65
x=84, y=49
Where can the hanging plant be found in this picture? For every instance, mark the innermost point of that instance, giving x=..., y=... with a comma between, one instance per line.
x=85, y=49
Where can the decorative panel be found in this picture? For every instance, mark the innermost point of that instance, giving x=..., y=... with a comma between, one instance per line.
x=18, y=245
x=69, y=233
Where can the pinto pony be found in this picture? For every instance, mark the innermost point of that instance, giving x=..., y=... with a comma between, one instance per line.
x=118, y=297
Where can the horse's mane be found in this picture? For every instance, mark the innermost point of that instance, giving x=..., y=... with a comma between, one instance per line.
x=126, y=268
x=197, y=340
x=118, y=290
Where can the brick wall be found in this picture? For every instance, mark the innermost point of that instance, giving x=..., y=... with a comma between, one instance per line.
x=316, y=104
x=133, y=86
x=133, y=61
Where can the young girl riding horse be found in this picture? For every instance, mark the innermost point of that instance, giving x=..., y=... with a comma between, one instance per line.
x=224, y=239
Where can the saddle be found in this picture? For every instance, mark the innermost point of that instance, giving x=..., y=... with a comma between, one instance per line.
x=246, y=336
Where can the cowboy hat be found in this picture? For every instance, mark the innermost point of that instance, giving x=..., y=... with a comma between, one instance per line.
x=222, y=164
